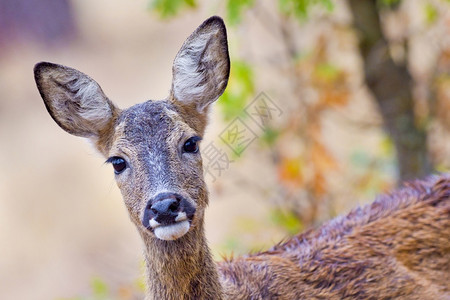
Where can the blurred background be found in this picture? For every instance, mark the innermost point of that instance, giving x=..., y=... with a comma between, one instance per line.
x=352, y=97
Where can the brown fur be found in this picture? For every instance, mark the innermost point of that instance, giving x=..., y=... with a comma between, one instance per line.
x=397, y=247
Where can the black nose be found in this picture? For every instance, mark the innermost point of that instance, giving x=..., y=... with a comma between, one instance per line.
x=164, y=208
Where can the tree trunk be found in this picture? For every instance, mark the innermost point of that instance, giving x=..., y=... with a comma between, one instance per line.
x=391, y=85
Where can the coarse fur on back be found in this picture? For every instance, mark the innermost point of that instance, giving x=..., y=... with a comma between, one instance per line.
x=396, y=247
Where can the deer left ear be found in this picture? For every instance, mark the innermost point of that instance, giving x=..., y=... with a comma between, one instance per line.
x=202, y=66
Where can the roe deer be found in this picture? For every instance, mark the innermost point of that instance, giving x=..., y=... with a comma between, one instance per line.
x=396, y=247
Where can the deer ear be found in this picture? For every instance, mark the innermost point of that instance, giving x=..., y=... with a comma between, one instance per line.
x=74, y=100
x=202, y=66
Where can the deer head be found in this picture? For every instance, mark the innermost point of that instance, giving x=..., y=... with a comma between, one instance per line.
x=152, y=146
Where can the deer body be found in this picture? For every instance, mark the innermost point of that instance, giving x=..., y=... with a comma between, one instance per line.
x=396, y=247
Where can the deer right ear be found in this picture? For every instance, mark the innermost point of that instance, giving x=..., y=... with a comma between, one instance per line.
x=202, y=66
x=74, y=100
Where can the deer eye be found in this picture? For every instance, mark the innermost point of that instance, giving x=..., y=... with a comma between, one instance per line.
x=191, y=145
x=118, y=164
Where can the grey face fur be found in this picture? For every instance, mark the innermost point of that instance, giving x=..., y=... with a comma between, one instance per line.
x=150, y=137
x=161, y=182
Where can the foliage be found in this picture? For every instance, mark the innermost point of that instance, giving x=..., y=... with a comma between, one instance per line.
x=307, y=169
x=240, y=88
x=101, y=291
x=372, y=170
x=290, y=171
x=170, y=8
x=389, y=3
x=99, y=288
x=287, y=220
x=235, y=9
x=431, y=13
x=270, y=136
x=246, y=235
x=301, y=8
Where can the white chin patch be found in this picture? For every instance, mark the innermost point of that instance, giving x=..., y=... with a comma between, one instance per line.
x=172, y=232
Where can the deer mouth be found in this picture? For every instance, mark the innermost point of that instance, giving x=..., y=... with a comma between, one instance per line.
x=170, y=232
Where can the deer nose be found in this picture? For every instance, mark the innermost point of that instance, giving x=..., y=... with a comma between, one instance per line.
x=165, y=207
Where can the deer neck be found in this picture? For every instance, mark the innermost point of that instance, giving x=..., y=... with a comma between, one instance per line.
x=181, y=269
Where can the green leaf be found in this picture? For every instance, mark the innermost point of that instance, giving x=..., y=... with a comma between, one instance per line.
x=431, y=13
x=288, y=220
x=140, y=284
x=270, y=136
x=389, y=3
x=301, y=8
x=327, y=72
x=99, y=288
x=240, y=89
x=170, y=8
x=387, y=146
x=235, y=9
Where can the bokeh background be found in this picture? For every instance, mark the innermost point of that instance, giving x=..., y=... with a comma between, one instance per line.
x=363, y=95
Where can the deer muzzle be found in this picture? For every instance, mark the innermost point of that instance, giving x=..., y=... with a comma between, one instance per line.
x=168, y=216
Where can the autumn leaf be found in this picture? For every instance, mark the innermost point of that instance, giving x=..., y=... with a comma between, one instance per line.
x=334, y=97
x=318, y=184
x=321, y=158
x=290, y=172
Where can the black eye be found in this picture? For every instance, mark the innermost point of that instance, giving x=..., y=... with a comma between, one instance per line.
x=118, y=164
x=191, y=145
